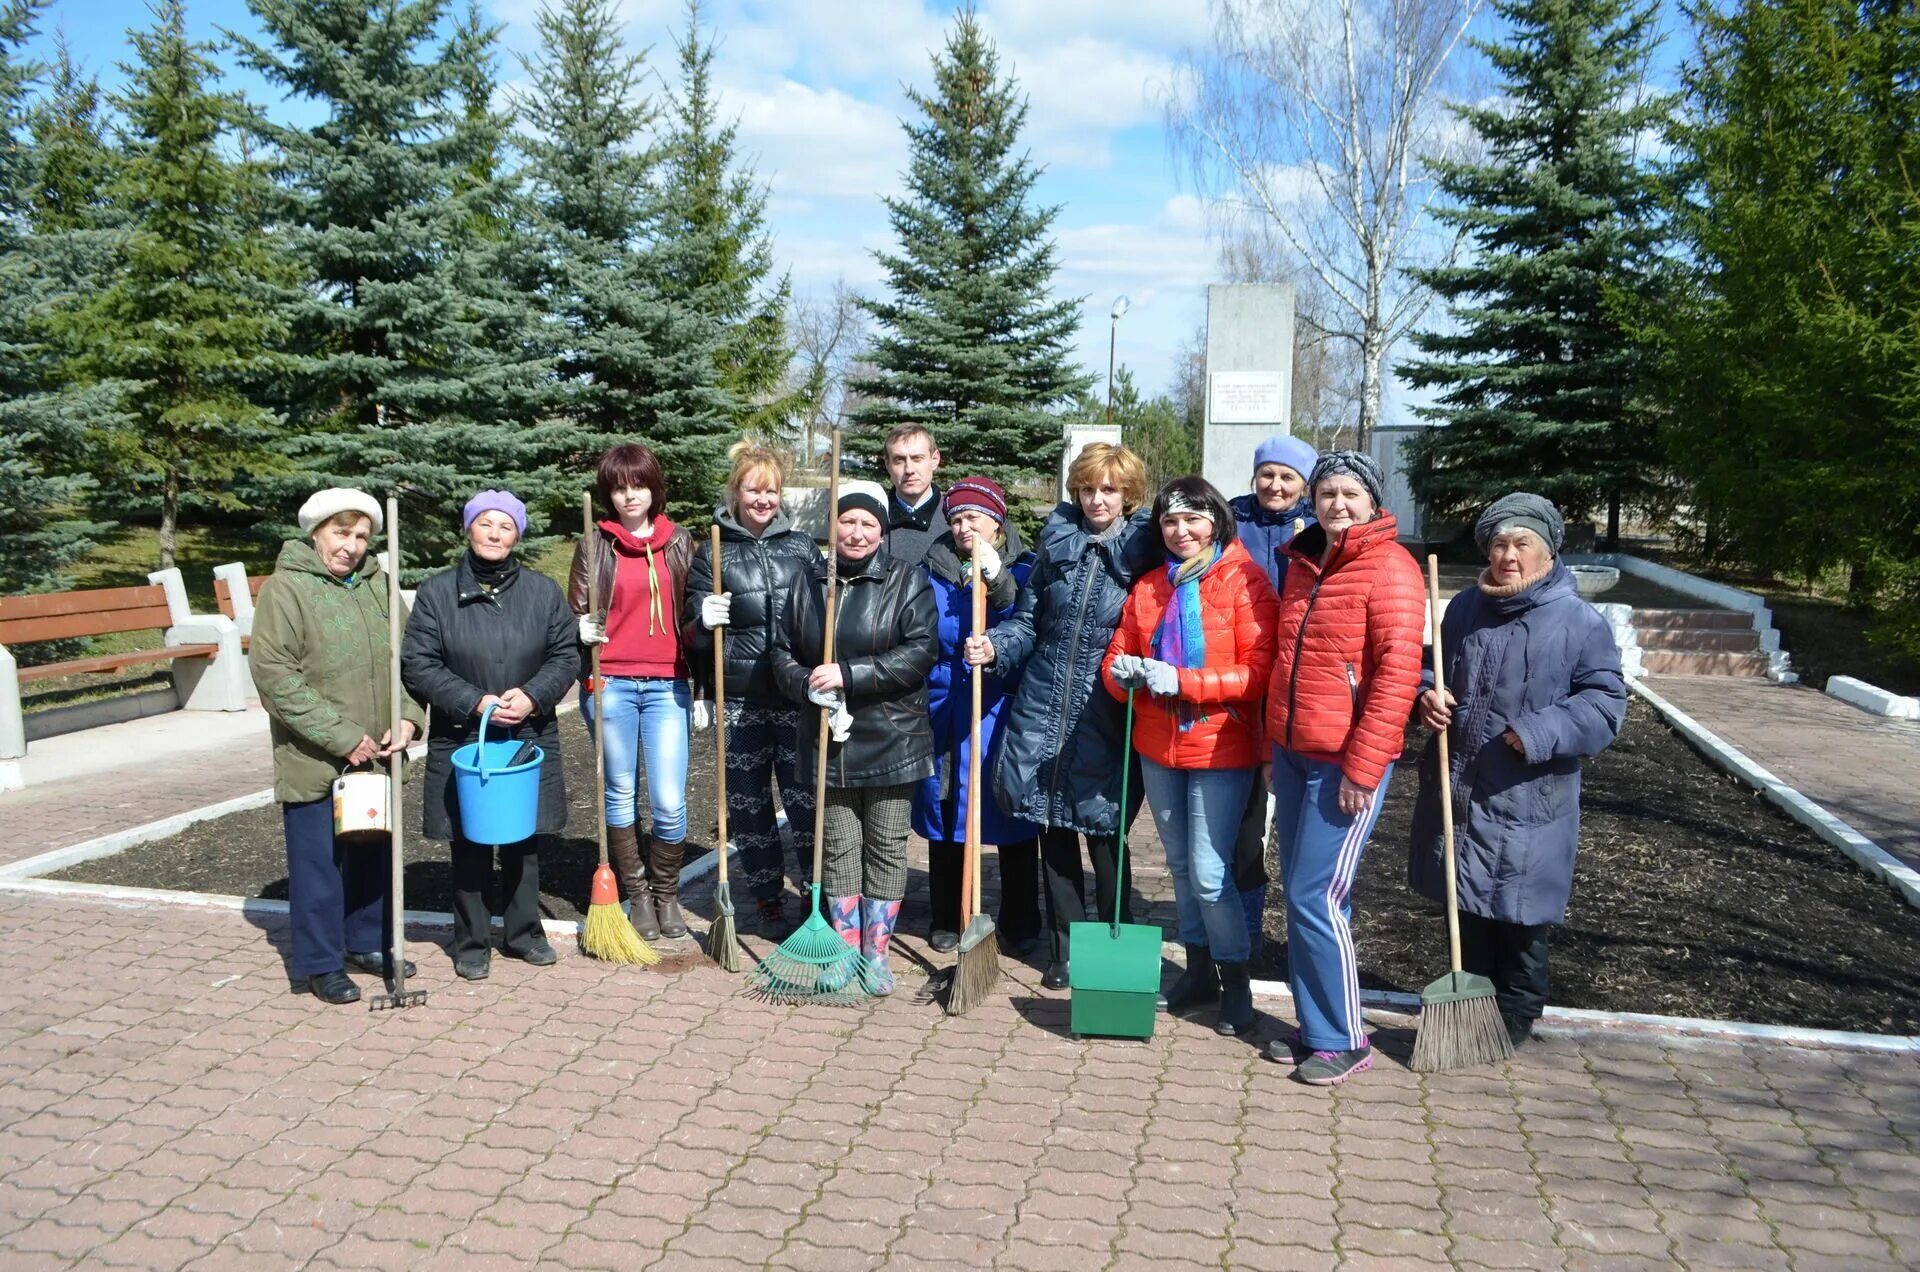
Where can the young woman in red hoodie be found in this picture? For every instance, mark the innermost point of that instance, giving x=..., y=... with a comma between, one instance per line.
x=1197, y=636
x=642, y=560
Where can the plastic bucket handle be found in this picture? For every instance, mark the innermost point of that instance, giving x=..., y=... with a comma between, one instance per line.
x=482, y=755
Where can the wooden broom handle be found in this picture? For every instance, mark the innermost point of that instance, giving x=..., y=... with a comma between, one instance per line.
x=720, y=716
x=396, y=819
x=591, y=548
x=970, y=881
x=1446, y=768
x=827, y=643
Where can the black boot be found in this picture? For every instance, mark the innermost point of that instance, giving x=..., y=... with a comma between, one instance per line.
x=1237, y=1018
x=1198, y=985
x=663, y=871
x=334, y=987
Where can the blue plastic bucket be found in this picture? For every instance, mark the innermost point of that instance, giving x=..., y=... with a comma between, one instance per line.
x=499, y=802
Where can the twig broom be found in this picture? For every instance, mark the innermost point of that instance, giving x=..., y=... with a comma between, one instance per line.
x=814, y=964
x=1460, y=1023
x=608, y=933
x=723, y=942
x=976, y=969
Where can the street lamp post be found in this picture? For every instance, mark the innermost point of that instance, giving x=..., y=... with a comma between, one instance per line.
x=1120, y=306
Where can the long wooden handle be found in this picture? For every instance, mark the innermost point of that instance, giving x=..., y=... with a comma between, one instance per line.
x=396, y=818
x=827, y=643
x=1446, y=768
x=971, y=889
x=720, y=717
x=589, y=544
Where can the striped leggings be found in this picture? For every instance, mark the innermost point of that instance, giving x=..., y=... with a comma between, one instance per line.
x=761, y=742
x=1320, y=849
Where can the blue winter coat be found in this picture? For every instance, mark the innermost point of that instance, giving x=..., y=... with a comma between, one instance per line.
x=1267, y=534
x=1543, y=664
x=1062, y=759
x=940, y=802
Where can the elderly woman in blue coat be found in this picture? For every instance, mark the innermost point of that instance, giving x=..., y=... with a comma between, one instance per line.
x=975, y=509
x=1533, y=687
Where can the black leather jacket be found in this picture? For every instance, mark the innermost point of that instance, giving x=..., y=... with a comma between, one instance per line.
x=886, y=641
x=758, y=571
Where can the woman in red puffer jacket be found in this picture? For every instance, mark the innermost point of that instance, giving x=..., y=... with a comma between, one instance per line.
x=1197, y=635
x=1352, y=626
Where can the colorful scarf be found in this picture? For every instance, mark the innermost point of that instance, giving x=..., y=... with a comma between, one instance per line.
x=1181, y=638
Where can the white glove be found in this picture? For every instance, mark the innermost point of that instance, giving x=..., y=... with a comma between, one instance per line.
x=839, y=719
x=1163, y=678
x=593, y=631
x=702, y=715
x=716, y=610
x=828, y=698
x=989, y=560
x=1127, y=672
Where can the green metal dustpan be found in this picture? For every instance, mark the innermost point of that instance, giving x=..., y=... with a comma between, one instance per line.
x=1114, y=969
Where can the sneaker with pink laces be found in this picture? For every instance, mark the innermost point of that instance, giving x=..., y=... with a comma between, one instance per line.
x=1331, y=1068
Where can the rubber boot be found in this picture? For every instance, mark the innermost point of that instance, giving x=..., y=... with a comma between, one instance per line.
x=844, y=914
x=629, y=862
x=877, y=920
x=1199, y=984
x=663, y=868
x=1237, y=1018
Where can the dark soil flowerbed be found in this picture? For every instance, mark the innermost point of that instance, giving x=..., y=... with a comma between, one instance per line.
x=1694, y=897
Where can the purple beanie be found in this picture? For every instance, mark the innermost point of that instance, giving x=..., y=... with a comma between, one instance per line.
x=1282, y=449
x=496, y=501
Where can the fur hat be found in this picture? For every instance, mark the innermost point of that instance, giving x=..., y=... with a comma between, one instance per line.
x=324, y=505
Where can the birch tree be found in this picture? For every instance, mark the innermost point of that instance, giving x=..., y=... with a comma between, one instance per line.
x=1315, y=119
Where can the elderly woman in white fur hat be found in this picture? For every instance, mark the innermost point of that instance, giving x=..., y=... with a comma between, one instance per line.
x=320, y=656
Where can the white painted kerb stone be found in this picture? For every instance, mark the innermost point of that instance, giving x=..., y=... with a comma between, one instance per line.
x=1872, y=698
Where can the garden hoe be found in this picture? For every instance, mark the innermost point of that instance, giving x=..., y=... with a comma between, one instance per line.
x=1460, y=1022
x=815, y=965
x=1114, y=971
x=397, y=995
x=608, y=933
x=723, y=943
x=976, y=969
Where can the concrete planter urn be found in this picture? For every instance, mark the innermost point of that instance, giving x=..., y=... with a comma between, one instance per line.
x=1592, y=580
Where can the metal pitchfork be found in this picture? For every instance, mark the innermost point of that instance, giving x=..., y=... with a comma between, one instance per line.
x=397, y=995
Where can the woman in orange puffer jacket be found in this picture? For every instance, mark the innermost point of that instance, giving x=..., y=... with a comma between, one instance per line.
x=1352, y=626
x=1197, y=634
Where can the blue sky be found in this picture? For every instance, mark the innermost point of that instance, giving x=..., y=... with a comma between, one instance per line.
x=817, y=88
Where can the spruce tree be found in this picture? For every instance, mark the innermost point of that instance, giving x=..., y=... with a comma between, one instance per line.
x=715, y=250
x=186, y=317
x=636, y=362
x=1541, y=388
x=969, y=341
x=42, y=521
x=421, y=369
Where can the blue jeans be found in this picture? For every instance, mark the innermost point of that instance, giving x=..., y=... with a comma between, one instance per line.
x=646, y=723
x=1320, y=848
x=1197, y=812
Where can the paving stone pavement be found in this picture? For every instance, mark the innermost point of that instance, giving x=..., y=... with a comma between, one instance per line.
x=1863, y=769
x=165, y=1103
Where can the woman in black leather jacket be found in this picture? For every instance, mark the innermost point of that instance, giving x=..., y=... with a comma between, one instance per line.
x=886, y=640
x=761, y=554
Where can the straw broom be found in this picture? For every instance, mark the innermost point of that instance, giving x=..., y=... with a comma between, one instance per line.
x=723, y=943
x=1460, y=1023
x=815, y=964
x=976, y=969
x=608, y=933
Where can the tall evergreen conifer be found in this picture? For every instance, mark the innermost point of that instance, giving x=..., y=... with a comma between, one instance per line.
x=1541, y=388
x=970, y=343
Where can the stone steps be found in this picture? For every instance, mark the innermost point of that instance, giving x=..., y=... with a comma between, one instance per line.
x=1693, y=619
x=1677, y=662
x=1699, y=640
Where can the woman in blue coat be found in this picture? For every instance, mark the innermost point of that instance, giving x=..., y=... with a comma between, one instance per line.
x=974, y=508
x=1062, y=755
x=1533, y=686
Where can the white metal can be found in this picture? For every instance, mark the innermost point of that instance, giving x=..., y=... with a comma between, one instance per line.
x=360, y=804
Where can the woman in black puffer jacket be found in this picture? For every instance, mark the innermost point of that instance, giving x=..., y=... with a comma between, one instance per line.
x=886, y=640
x=1061, y=762
x=761, y=554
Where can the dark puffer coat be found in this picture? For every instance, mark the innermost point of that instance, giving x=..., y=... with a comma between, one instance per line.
x=463, y=643
x=885, y=642
x=1062, y=760
x=1267, y=534
x=758, y=571
x=1542, y=663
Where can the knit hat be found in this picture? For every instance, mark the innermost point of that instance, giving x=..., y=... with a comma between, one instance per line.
x=980, y=494
x=868, y=496
x=1282, y=449
x=496, y=501
x=1349, y=463
x=325, y=504
x=1522, y=511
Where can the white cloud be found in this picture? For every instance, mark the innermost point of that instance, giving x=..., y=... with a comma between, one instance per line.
x=810, y=143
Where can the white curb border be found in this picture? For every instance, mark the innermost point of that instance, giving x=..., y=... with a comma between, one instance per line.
x=1870, y=856
x=1872, y=698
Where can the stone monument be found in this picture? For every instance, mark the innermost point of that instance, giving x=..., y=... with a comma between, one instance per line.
x=1249, y=378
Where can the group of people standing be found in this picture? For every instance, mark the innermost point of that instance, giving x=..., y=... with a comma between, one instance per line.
x=1270, y=650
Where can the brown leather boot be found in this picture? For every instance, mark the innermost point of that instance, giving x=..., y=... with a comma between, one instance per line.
x=629, y=862
x=663, y=869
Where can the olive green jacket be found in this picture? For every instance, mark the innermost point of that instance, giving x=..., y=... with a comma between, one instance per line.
x=320, y=663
